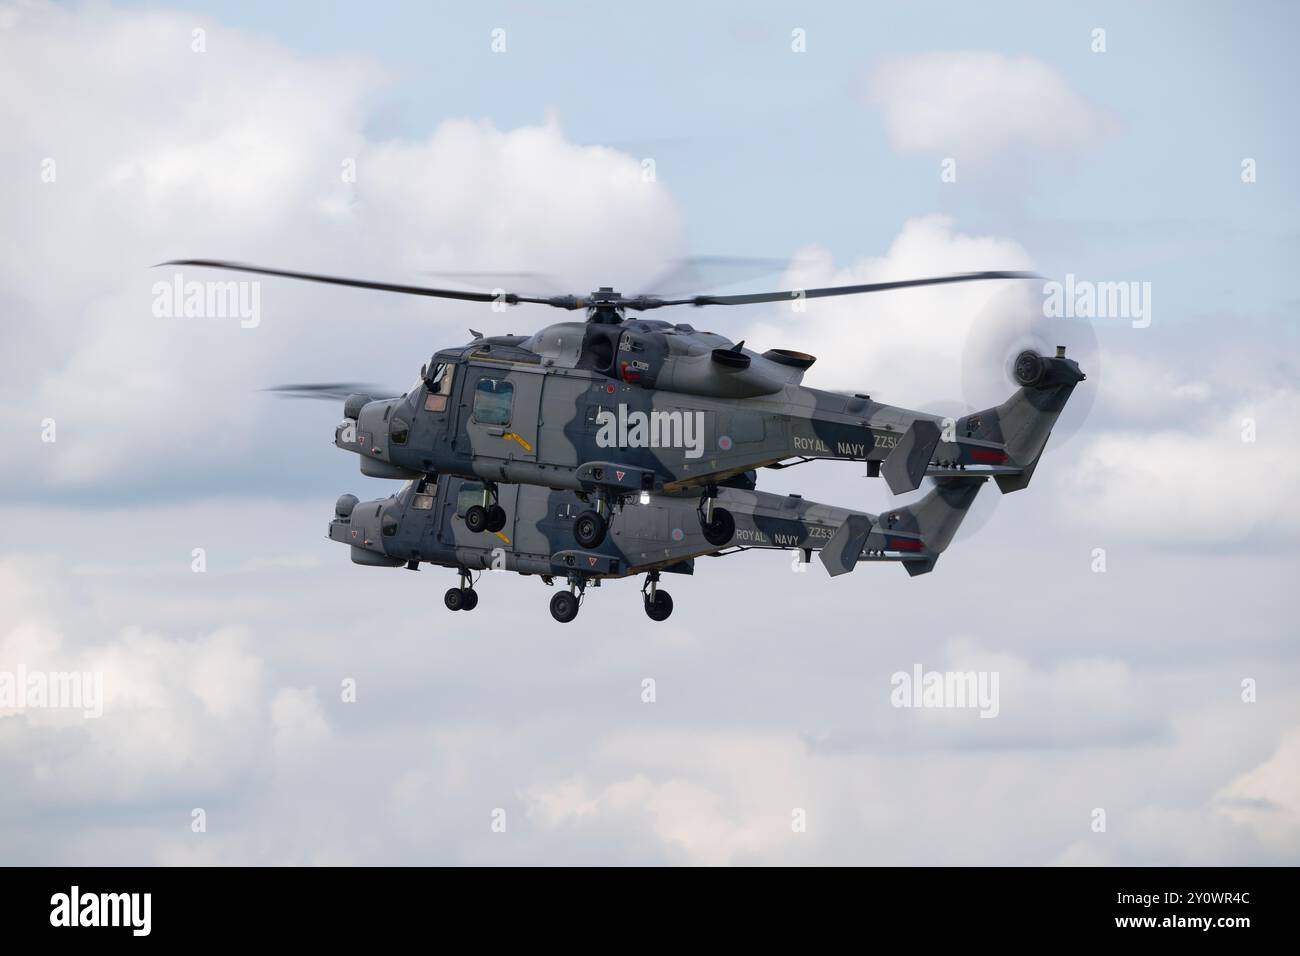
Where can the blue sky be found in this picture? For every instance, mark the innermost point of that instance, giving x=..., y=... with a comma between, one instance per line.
x=736, y=123
x=1122, y=688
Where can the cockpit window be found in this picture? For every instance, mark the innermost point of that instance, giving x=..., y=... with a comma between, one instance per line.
x=493, y=401
x=399, y=431
x=422, y=502
x=436, y=398
x=388, y=525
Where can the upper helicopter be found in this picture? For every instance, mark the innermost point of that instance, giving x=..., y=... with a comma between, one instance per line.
x=617, y=406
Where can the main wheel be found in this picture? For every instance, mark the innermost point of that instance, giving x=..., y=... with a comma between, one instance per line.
x=476, y=518
x=589, y=529
x=719, y=531
x=496, y=518
x=454, y=599
x=564, y=607
x=468, y=599
x=660, y=607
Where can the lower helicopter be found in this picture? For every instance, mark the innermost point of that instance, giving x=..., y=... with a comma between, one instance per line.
x=426, y=523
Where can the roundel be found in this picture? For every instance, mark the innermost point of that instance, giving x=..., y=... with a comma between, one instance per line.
x=724, y=442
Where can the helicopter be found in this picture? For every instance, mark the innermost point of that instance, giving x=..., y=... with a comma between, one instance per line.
x=612, y=406
x=427, y=522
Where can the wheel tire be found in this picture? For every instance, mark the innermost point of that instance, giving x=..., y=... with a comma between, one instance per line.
x=496, y=518
x=468, y=599
x=589, y=530
x=564, y=607
x=660, y=607
x=476, y=518
x=454, y=599
x=721, y=529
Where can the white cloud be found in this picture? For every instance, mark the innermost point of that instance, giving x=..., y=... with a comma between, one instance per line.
x=906, y=347
x=1267, y=799
x=1199, y=482
x=238, y=153
x=977, y=104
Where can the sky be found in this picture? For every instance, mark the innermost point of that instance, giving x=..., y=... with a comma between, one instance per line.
x=283, y=706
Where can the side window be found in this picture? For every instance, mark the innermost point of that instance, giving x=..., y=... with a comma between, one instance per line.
x=471, y=493
x=435, y=400
x=388, y=525
x=422, y=502
x=493, y=400
x=399, y=431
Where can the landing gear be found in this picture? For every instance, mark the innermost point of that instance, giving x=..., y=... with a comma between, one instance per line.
x=717, y=523
x=591, y=526
x=488, y=516
x=589, y=529
x=565, y=604
x=463, y=598
x=658, y=604
x=564, y=607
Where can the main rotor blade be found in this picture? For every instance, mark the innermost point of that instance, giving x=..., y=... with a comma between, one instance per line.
x=841, y=289
x=510, y=298
x=709, y=272
x=329, y=391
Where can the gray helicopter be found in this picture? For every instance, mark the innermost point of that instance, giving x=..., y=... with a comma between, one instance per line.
x=611, y=407
x=428, y=522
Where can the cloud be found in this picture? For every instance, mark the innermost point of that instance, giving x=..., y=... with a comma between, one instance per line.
x=223, y=687
x=979, y=105
x=248, y=151
x=1230, y=480
x=1267, y=799
x=879, y=343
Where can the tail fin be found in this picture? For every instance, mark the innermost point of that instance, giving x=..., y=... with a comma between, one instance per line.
x=915, y=535
x=1010, y=438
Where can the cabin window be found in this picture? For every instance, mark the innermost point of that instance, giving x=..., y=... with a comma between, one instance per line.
x=493, y=400
x=422, y=502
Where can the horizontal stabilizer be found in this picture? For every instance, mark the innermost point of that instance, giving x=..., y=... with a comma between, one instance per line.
x=843, y=550
x=905, y=466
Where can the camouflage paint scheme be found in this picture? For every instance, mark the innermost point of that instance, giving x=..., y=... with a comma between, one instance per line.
x=424, y=522
x=752, y=411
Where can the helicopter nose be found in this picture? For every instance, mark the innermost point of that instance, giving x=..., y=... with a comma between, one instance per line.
x=362, y=430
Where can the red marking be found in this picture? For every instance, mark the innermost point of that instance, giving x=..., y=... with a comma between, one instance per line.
x=620, y=474
x=592, y=562
x=904, y=544
x=610, y=389
x=995, y=457
x=354, y=532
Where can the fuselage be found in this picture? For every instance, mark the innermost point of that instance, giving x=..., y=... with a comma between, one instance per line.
x=637, y=406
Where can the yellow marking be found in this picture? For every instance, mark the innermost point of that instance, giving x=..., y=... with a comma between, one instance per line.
x=502, y=537
x=519, y=438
